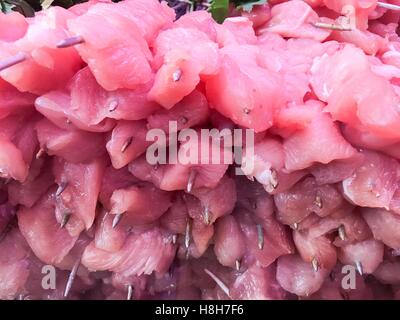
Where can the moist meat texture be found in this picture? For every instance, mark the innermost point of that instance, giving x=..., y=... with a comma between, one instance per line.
x=318, y=84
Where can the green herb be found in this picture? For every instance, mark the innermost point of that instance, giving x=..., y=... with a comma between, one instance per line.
x=219, y=10
x=248, y=5
x=20, y=6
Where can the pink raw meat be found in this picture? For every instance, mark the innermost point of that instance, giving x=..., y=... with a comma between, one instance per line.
x=294, y=19
x=183, y=56
x=71, y=145
x=388, y=272
x=353, y=224
x=13, y=26
x=94, y=106
x=257, y=283
x=83, y=7
x=229, y=244
x=384, y=225
x=298, y=277
x=45, y=60
x=305, y=198
x=140, y=204
x=364, y=39
x=18, y=144
x=12, y=101
x=141, y=254
x=176, y=217
x=336, y=170
x=274, y=236
x=127, y=142
x=369, y=253
x=109, y=39
x=12, y=164
x=235, y=30
x=374, y=183
x=189, y=112
x=80, y=187
x=217, y=202
x=368, y=140
x=243, y=91
x=355, y=9
x=150, y=16
x=320, y=142
x=252, y=197
x=331, y=71
x=332, y=288
x=202, y=236
x=341, y=84
x=172, y=177
x=200, y=20
x=384, y=30
x=36, y=184
x=320, y=249
x=7, y=215
x=108, y=238
x=14, y=268
x=114, y=179
x=55, y=105
x=259, y=15
x=39, y=226
x=296, y=117
x=263, y=163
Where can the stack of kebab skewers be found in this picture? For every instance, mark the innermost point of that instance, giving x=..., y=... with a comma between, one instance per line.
x=318, y=82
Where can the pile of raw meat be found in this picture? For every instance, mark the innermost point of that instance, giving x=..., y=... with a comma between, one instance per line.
x=318, y=217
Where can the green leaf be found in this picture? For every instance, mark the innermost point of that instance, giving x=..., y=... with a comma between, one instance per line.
x=219, y=10
x=3, y=6
x=248, y=6
x=22, y=7
x=6, y=7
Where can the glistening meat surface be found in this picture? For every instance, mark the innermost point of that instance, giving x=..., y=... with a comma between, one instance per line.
x=295, y=187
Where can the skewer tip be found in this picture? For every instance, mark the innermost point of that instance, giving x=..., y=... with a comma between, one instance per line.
x=61, y=188
x=71, y=278
x=69, y=42
x=116, y=220
x=237, y=265
x=126, y=144
x=191, y=180
x=315, y=264
x=64, y=220
x=342, y=233
x=129, y=293
x=318, y=202
x=206, y=214
x=13, y=60
x=187, y=235
x=40, y=153
x=359, y=268
x=112, y=105
x=260, y=234
x=176, y=76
